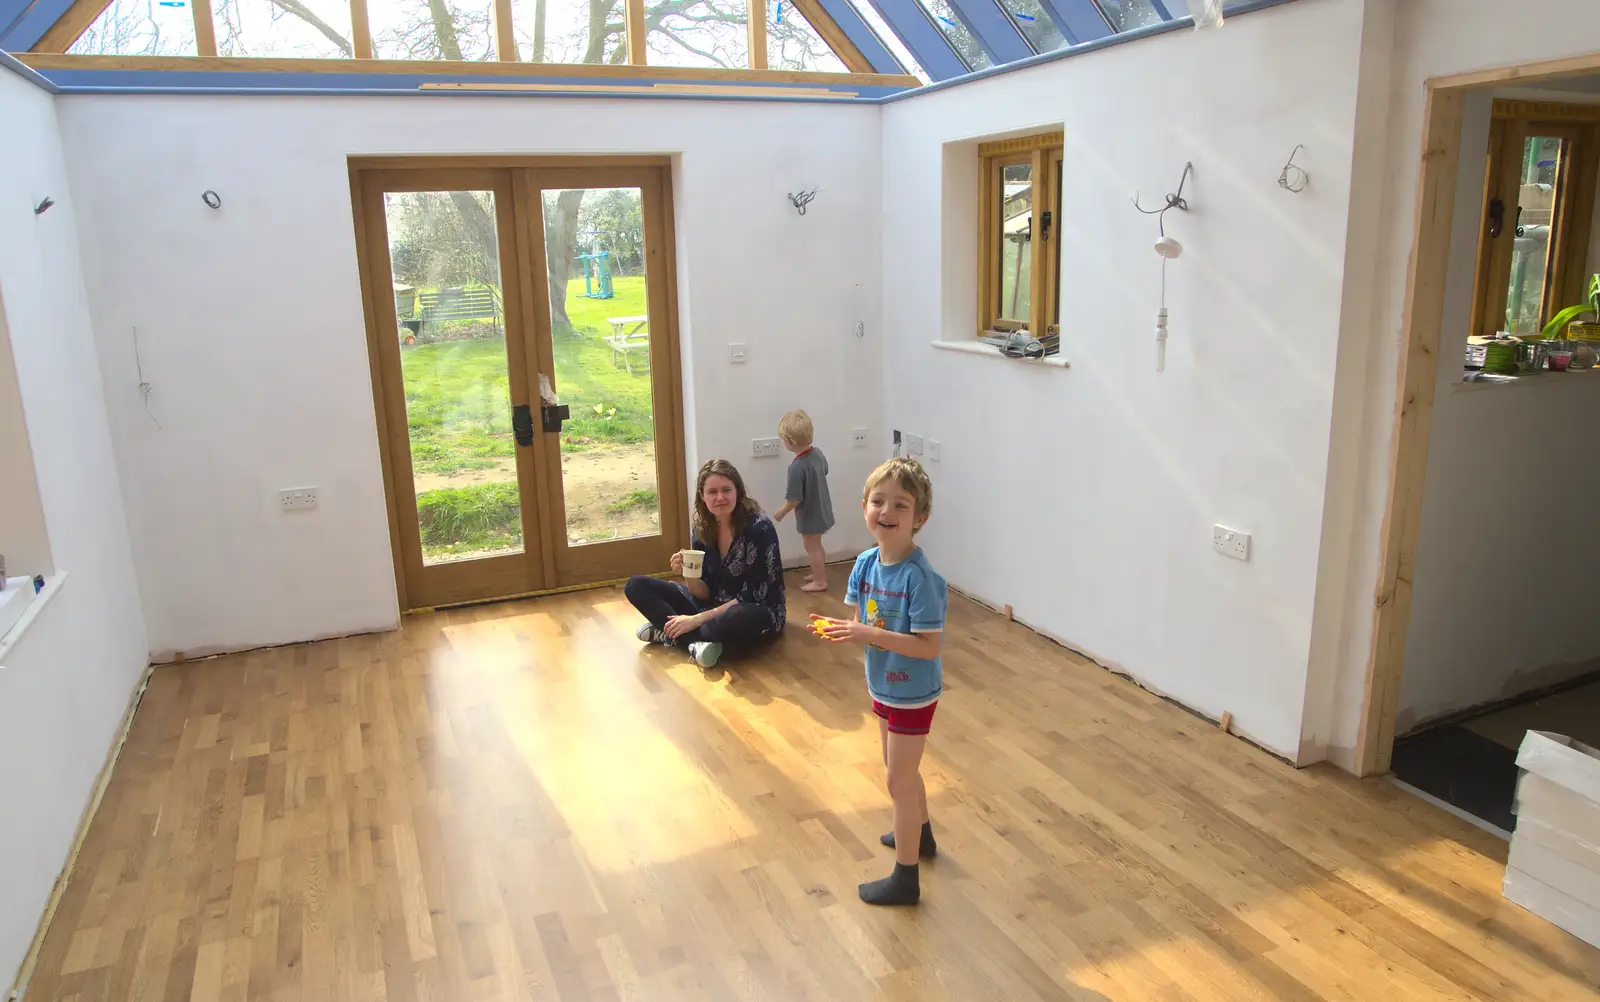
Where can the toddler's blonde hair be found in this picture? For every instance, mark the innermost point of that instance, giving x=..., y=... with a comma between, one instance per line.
x=795, y=428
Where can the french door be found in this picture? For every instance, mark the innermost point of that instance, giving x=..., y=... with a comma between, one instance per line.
x=520, y=316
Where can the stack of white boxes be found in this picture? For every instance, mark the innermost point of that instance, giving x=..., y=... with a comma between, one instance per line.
x=1554, y=867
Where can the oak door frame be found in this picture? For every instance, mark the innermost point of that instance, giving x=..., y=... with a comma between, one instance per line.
x=601, y=563
x=666, y=356
x=1417, y=381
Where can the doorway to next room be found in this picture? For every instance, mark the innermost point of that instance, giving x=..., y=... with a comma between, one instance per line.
x=520, y=316
x=1498, y=638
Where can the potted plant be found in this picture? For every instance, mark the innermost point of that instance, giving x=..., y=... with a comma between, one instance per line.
x=1556, y=332
x=1561, y=321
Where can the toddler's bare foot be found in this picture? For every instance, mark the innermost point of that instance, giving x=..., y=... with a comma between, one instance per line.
x=814, y=586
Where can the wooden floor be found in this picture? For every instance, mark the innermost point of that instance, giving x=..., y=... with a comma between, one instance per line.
x=519, y=802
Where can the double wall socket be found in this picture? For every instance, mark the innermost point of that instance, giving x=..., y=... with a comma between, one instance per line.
x=858, y=437
x=763, y=447
x=1230, y=543
x=913, y=445
x=297, y=498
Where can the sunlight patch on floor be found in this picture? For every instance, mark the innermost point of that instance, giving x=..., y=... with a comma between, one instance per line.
x=629, y=794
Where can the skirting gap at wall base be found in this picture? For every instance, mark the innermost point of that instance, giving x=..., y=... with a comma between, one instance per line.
x=25, y=972
x=161, y=658
x=1590, y=675
x=1119, y=672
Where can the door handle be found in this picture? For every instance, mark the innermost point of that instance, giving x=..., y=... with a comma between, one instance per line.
x=551, y=411
x=553, y=415
x=522, y=424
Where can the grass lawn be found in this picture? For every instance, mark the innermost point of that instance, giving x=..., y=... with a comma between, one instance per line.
x=459, y=407
x=459, y=410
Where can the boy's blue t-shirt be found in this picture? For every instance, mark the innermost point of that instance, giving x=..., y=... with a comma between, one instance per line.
x=907, y=597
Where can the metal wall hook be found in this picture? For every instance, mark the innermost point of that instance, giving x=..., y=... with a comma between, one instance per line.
x=211, y=198
x=1294, y=178
x=803, y=199
x=43, y=206
x=1175, y=200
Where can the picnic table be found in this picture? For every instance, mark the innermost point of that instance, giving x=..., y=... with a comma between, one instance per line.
x=627, y=335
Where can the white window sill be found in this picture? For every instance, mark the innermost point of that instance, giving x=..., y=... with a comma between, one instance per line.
x=9, y=639
x=987, y=351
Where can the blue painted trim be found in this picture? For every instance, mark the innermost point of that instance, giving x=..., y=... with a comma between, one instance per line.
x=248, y=82
x=27, y=32
x=862, y=36
x=1079, y=21
x=1176, y=24
x=993, y=29
x=907, y=19
x=28, y=74
x=733, y=95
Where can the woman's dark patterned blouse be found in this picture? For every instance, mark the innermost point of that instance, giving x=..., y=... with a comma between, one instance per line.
x=752, y=570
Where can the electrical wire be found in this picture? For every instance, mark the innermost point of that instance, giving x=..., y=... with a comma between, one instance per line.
x=144, y=385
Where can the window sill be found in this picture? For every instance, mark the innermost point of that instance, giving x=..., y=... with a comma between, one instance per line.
x=10, y=637
x=974, y=348
x=1532, y=380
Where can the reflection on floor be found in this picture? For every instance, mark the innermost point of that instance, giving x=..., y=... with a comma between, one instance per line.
x=1471, y=764
x=521, y=802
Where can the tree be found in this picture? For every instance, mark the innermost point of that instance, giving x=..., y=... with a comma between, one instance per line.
x=138, y=28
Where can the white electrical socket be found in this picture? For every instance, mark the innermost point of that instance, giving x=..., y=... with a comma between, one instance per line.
x=934, y=450
x=858, y=437
x=761, y=447
x=297, y=498
x=738, y=352
x=1230, y=543
x=913, y=444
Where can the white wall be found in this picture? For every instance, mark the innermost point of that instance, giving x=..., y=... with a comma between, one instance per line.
x=1432, y=38
x=1505, y=547
x=1085, y=497
x=250, y=400
x=23, y=540
x=66, y=684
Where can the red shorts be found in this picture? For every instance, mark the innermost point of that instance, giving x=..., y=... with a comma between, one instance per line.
x=903, y=721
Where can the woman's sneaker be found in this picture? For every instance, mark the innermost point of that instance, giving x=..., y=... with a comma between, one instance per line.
x=706, y=655
x=650, y=635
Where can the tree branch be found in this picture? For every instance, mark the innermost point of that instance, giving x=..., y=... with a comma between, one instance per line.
x=304, y=13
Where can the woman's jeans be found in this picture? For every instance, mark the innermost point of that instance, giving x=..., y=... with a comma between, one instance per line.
x=743, y=625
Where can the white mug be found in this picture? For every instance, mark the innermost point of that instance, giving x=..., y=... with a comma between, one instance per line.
x=692, y=562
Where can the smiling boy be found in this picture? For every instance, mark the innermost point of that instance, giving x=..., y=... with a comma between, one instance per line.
x=901, y=602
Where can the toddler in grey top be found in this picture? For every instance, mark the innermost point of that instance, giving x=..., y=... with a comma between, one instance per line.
x=807, y=494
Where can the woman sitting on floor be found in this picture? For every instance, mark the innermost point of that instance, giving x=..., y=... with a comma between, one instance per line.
x=738, y=601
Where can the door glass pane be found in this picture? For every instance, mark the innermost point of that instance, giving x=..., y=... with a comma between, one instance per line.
x=1016, y=234
x=444, y=250
x=1530, y=250
x=600, y=329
